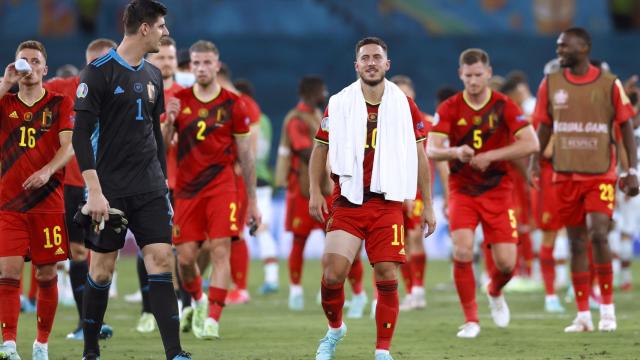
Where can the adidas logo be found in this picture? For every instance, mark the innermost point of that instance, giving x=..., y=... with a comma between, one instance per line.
x=14, y=115
x=462, y=122
x=234, y=227
x=118, y=91
x=187, y=111
x=59, y=251
x=402, y=252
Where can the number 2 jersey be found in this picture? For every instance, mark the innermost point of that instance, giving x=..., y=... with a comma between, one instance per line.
x=484, y=128
x=206, y=142
x=29, y=139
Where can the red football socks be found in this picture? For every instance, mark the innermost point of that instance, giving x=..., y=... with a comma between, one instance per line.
x=194, y=287
x=386, y=312
x=605, y=280
x=216, y=302
x=418, y=263
x=332, y=303
x=355, y=276
x=466, y=287
x=47, y=303
x=9, y=308
x=582, y=286
x=407, y=277
x=239, y=260
x=548, y=269
x=296, y=259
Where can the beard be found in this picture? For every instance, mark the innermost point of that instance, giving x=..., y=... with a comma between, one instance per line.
x=568, y=62
x=372, y=82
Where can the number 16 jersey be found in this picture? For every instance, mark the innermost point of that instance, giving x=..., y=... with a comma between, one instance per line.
x=206, y=142
x=484, y=128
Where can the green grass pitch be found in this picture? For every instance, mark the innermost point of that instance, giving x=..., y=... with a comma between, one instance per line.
x=265, y=329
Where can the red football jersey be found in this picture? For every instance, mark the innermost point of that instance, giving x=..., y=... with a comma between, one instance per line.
x=298, y=133
x=172, y=152
x=68, y=87
x=206, y=143
x=253, y=109
x=369, y=148
x=29, y=138
x=488, y=127
x=621, y=103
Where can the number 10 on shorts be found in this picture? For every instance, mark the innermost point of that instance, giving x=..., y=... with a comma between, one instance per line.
x=397, y=236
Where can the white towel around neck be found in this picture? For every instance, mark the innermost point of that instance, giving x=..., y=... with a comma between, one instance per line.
x=395, y=165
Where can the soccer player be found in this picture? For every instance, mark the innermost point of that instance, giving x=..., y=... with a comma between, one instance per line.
x=264, y=192
x=165, y=60
x=370, y=187
x=480, y=125
x=35, y=134
x=213, y=133
x=119, y=101
x=74, y=195
x=580, y=105
x=239, y=249
x=413, y=272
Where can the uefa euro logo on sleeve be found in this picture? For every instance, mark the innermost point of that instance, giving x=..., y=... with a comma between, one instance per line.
x=82, y=91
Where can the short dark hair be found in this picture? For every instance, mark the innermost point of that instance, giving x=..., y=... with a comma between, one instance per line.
x=309, y=84
x=580, y=33
x=371, y=40
x=244, y=86
x=512, y=81
x=474, y=55
x=444, y=93
x=101, y=43
x=139, y=12
x=204, y=46
x=34, y=45
x=167, y=41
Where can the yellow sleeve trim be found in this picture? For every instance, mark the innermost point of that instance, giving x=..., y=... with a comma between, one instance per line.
x=321, y=141
x=421, y=140
x=242, y=134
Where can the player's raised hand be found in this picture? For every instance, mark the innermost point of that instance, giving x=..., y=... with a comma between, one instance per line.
x=464, y=153
x=37, y=179
x=317, y=205
x=482, y=161
x=97, y=206
x=428, y=220
x=11, y=75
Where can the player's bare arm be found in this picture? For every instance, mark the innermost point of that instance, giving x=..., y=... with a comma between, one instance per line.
x=438, y=150
x=428, y=218
x=443, y=171
x=630, y=179
x=317, y=172
x=247, y=164
x=526, y=144
x=168, y=127
x=61, y=158
x=544, y=138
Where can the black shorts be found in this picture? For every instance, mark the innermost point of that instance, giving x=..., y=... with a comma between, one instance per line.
x=150, y=218
x=73, y=197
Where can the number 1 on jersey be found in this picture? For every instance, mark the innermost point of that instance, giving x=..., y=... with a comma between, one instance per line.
x=139, y=117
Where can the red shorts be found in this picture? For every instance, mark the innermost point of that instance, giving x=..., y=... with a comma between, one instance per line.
x=577, y=198
x=493, y=209
x=378, y=222
x=521, y=199
x=243, y=204
x=298, y=220
x=210, y=217
x=42, y=237
x=544, y=202
x=412, y=220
